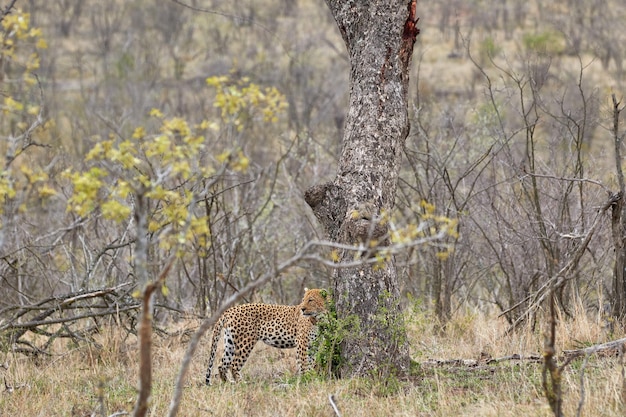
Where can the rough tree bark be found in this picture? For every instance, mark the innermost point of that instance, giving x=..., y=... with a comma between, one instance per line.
x=379, y=36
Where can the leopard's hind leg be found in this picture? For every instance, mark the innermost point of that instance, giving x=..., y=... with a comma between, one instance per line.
x=242, y=352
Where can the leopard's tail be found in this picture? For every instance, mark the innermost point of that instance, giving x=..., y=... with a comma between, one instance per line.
x=217, y=330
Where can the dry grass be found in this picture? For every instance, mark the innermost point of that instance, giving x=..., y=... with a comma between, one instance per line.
x=82, y=381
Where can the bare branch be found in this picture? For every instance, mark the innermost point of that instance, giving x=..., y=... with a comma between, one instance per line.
x=470, y=363
x=7, y=9
x=331, y=399
x=581, y=180
x=617, y=108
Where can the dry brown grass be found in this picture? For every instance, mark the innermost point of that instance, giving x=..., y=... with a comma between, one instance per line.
x=80, y=381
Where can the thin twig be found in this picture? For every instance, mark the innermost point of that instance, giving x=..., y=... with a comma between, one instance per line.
x=617, y=109
x=331, y=399
x=566, y=179
x=7, y=9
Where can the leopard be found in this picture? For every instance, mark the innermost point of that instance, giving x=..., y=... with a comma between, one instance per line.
x=280, y=326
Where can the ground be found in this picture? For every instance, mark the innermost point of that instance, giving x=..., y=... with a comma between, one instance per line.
x=84, y=380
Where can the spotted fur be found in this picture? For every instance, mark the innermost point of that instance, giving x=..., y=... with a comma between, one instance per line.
x=279, y=326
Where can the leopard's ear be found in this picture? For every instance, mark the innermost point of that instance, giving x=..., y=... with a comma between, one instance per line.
x=305, y=289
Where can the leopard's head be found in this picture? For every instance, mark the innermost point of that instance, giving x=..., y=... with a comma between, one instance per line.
x=314, y=302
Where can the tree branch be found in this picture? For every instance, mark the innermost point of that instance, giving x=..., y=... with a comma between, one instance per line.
x=7, y=9
x=331, y=399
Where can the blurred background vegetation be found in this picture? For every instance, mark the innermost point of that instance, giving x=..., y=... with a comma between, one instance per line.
x=511, y=135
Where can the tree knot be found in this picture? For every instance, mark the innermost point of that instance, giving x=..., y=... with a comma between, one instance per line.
x=314, y=196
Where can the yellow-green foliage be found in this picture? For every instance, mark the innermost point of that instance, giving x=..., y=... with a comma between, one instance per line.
x=6, y=189
x=488, y=49
x=19, y=58
x=19, y=42
x=166, y=160
x=430, y=225
x=241, y=101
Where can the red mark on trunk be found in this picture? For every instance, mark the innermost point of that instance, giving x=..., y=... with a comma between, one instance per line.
x=410, y=26
x=409, y=34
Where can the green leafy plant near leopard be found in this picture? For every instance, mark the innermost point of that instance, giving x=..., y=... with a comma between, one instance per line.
x=279, y=326
x=327, y=345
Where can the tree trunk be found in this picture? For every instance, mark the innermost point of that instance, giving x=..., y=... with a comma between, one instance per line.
x=618, y=222
x=379, y=35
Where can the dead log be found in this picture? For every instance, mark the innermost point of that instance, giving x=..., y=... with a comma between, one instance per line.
x=485, y=359
x=603, y=349
x=608, y=349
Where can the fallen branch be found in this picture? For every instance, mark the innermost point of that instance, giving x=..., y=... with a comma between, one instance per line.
x=37, y=323
x=608, y=349
x=10, y=388
x=74, y=315
x=470, y=363
x=603, y=349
